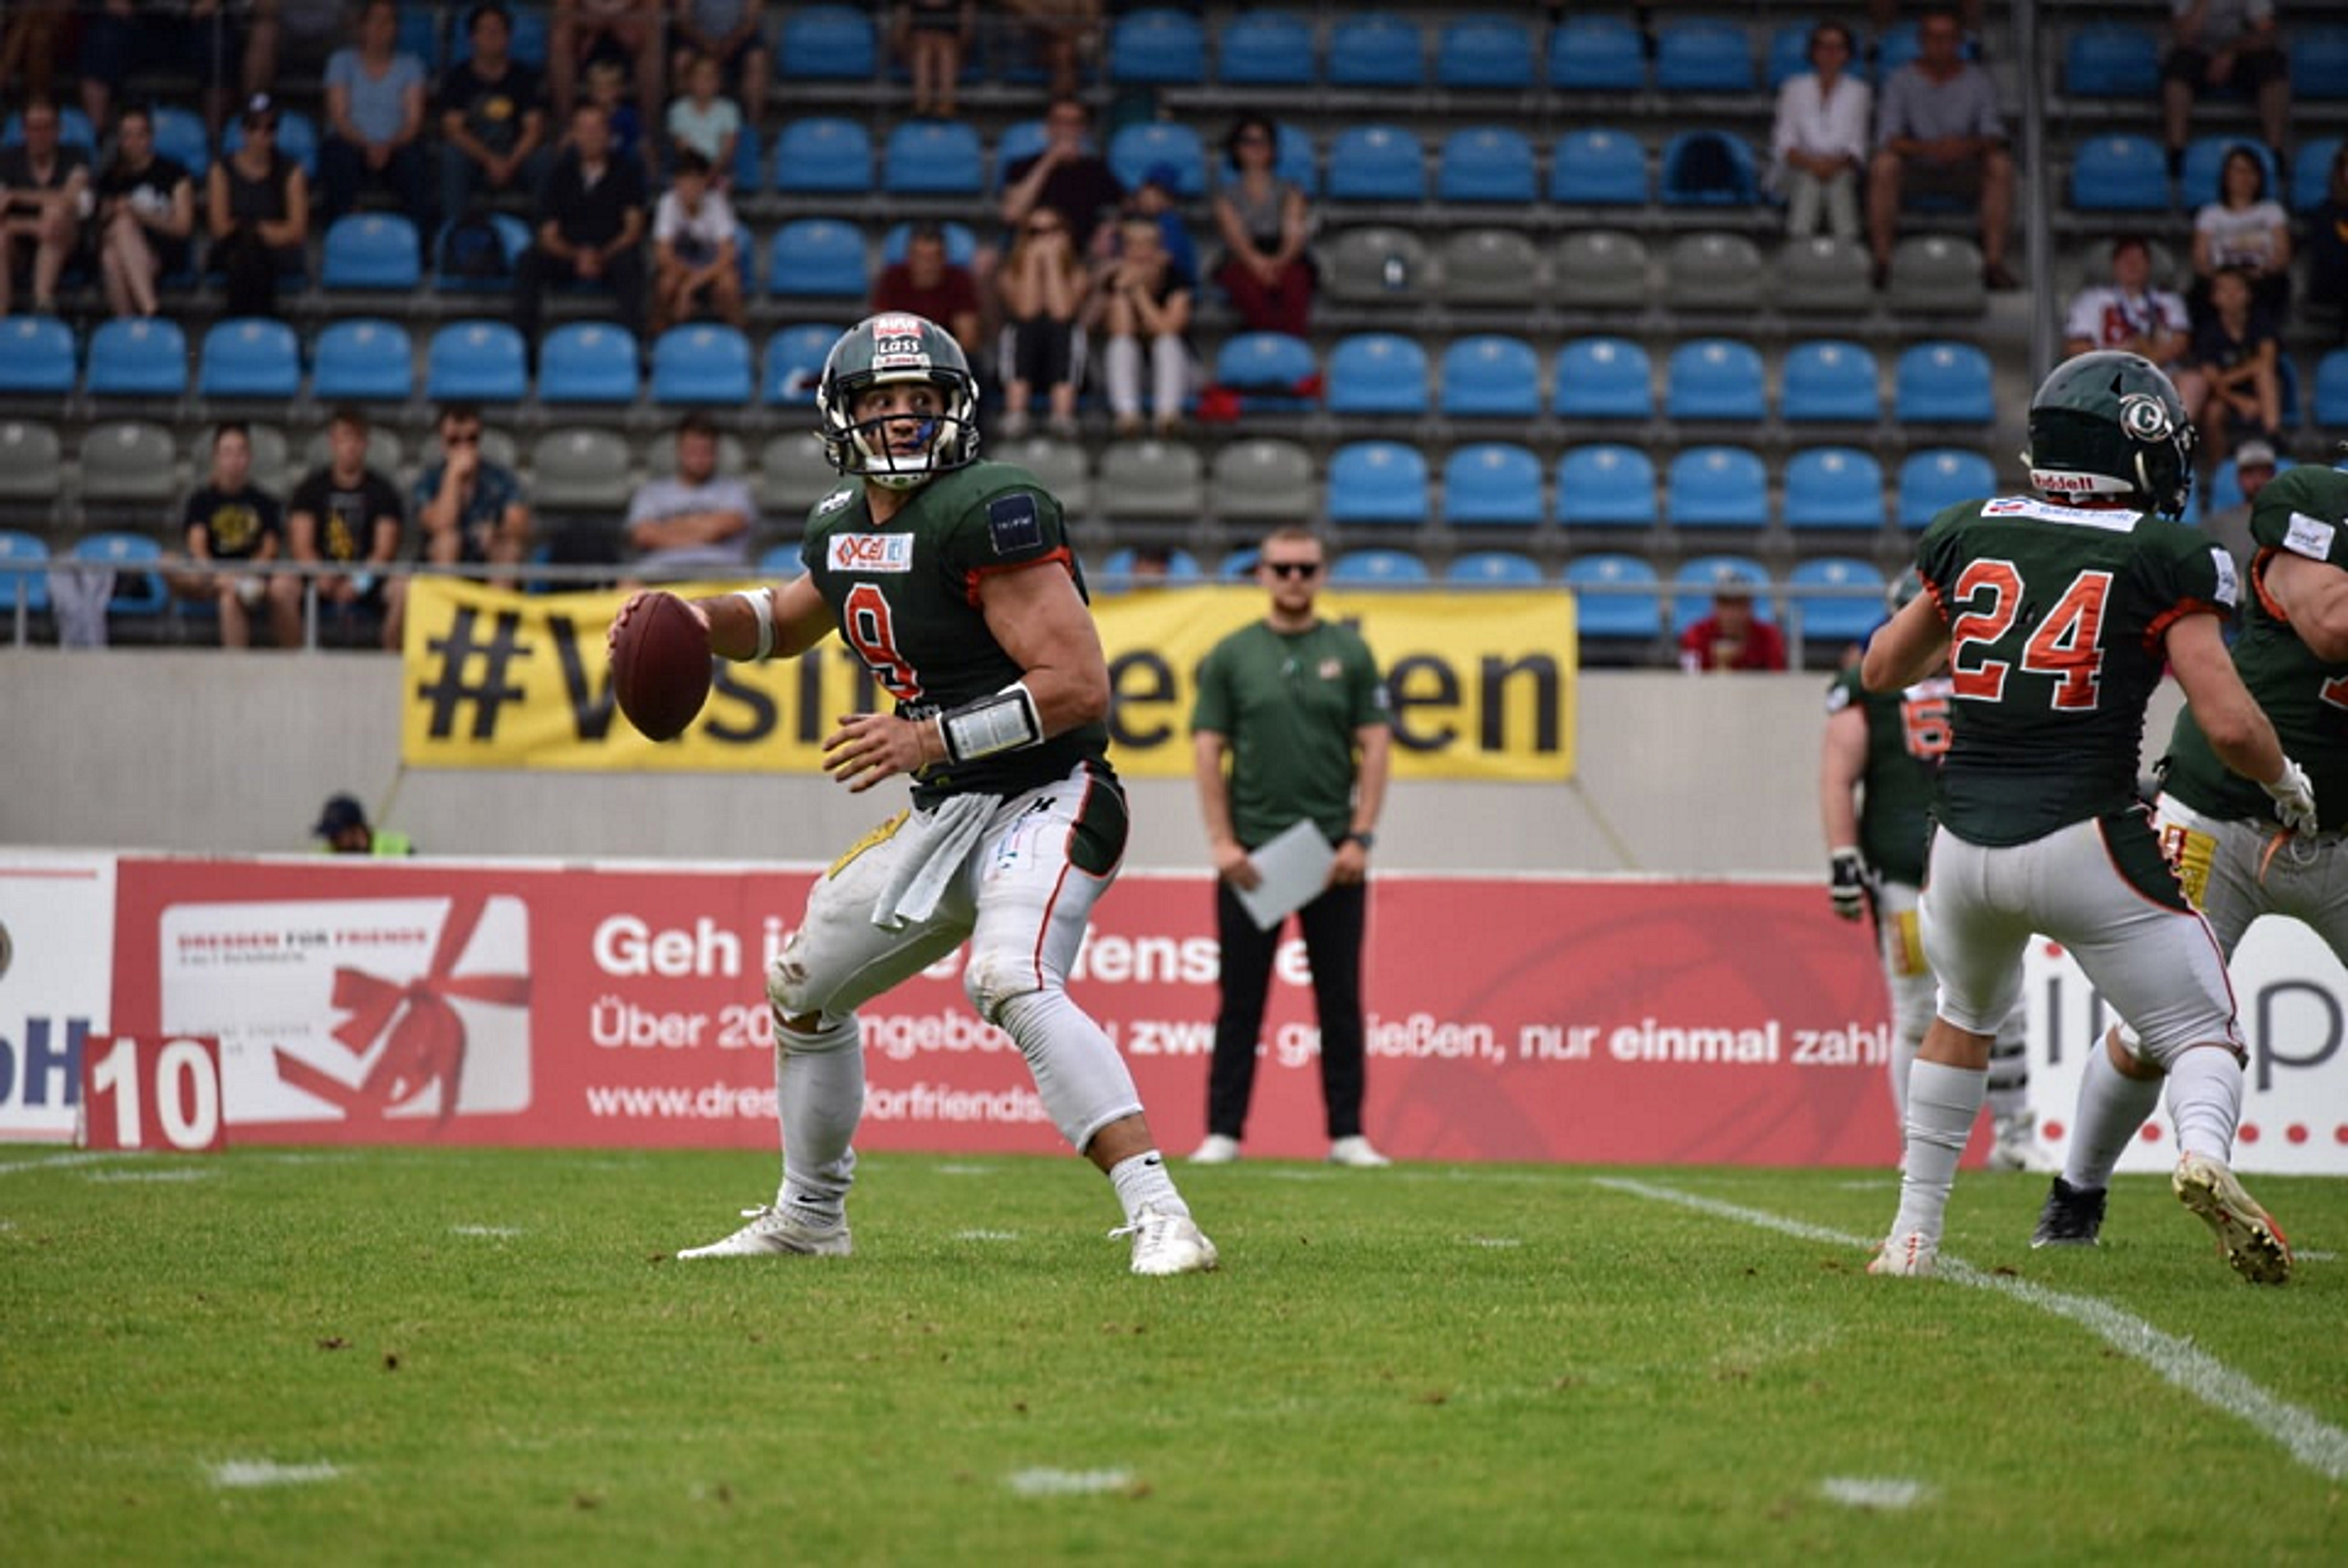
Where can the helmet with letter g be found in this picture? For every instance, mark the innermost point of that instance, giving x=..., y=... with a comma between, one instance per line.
x=881, y=350
x=2111, y=425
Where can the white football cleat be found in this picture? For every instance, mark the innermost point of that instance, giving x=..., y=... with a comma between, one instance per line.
x=2015, y=1145
x=1165, y=1243
x=1357, y=1152
x=1218, y=1150
x=773, y=1234
x=2254, y=1244
x=1913, y=1256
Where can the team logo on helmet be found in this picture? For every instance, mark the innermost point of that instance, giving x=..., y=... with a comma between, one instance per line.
x=2145, y=418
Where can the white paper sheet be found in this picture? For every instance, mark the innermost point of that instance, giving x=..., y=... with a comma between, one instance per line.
x=1292, y=868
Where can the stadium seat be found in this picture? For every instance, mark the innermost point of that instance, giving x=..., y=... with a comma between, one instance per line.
x=1941, y=477
x=296, y=138
x=1829, y=602
x=1492, y=483
x=1600, y=269
x=794, y=360
x=179, y=133
x=1833, y=487
x=2120, y=173
x=1377, y=483
x=1598, y=54
x=477, y=362
x=2311, y=171
x=1495, y=568
x=2225, y=485
x=249, y=356
x=18, y=548
x=36, y=355
x=827, y=43
x=1262, y=479
x=1942, y=384
x=138, y=357
x=1377, y=568
x=1821, y=273
x=2112, y=59
x=1376, y=163
x=1485, y=52
x=1715, y=378
x=1936, y=274
x=581, y=469
x=1699, y=577
x=1157, y=47
x=1695, y=56
x=1264, y=49
x=1378, y=372
x=134, y=557
x=1708, y=169
x=2318, y=57
x=1714, y=269
x=363, y=361
x=1717, y=487
x=1900, y=43
x=129, y=468
x=1140, y=147
x=824, y=155
x=818, y=258
x=587, y=362
x=1607, y=486
x=1153, y=480
x=2205, y=157
x=1269, y=367
x=933, y=158
x=1614, y=596
x=1599, y=167
x=781, y=562
x=32, y=470
x=1486, y=163
x=371, y=251
x=1021, y=140
x=961, y=245
x=1491, y=375
x=705, y=363
x=793, y=475
x=1603, y=379
x=1375, y=265
x=1238, y=566
x=1490, y=267
x=1829, y=381
x=514, y=238
x=1063, y=466
x=1376, y=49
x=1117, y=568
x=2331, y=390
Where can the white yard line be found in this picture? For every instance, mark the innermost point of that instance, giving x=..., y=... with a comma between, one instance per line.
x=1883, y=1492
x=1046, y=1483
x=2310, y=1439
x=269, y=1473
x=54, y=1162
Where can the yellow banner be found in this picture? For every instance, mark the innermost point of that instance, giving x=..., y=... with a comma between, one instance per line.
x=1483, y=683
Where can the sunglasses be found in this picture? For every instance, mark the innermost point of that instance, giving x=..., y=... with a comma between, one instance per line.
x=1294, y=568
x=472, y=439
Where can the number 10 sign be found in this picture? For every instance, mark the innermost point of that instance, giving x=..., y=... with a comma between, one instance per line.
x=151, y=1094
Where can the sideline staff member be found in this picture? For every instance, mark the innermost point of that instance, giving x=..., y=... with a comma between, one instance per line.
x=1297, y=706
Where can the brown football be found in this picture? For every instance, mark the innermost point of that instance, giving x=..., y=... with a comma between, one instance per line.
x=660, y=666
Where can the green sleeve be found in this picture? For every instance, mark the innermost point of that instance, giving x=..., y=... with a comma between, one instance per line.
x=1369, y=691
x=1212, y=708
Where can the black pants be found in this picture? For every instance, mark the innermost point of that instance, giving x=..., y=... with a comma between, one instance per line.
x=1332, y=941
x=253, y=269
x=622, y=278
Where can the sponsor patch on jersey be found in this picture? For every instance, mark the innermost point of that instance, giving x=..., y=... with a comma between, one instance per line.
x=871, y=551
x=2230, y=582
x=2109, y=520
x=2308, y=536
x=1013, y=524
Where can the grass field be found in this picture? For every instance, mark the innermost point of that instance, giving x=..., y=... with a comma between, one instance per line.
x=467, y=1356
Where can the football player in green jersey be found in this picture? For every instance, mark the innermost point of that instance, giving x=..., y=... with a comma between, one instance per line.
x=2233, y=861
x=952, y=581
x=2055, y=613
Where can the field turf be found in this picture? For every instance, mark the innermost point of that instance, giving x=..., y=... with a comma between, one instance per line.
x=461, y=1356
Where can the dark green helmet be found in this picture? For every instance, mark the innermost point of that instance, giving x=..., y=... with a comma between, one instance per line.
x=897, y=346
x=2109, y=423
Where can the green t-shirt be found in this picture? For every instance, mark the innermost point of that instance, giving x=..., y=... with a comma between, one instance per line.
x=2057, y=617
x=1289, y=704
x=1907, y=736
x=906, y=597
x=2306, y=512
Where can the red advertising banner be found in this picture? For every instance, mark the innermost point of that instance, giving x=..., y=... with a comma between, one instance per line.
x=151, y=1095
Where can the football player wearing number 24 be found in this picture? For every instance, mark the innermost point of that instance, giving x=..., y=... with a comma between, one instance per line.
x=952, y=580
x=2057, y=612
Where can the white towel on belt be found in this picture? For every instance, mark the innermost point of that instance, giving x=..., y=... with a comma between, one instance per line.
x=934, y=844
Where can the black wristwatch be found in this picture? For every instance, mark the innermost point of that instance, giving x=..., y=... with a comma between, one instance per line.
x=1367, y=840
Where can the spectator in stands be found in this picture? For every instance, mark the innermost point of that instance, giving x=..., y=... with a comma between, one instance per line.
x=299, y=35
x=2129, y=313
x=2237, y=350
x=2327, y=246
x=696, y=517
x=1937, y=132
x=1265, y=224
x=2226, y=45
x=121, y=38
x=1818, y=144
x=232, y=525
x=607, y=90
x=1065, y=34
x=1731, y=636
x=146, y=216
x=347, y=514
x=257, y=203
x=1042, y=286
x=2253, y=466
x=30, y=44
x=1158, y=198
x=2245, y=230
x=1068, y=177
x=732, y=32
x=1141, y=300
x=927, y=284
x=344, y=829
x=696, y=266
x=586, y=30
x=492, y=123
x=373, y=118
x=470, y=510
x=930, y=36
x=704, y=120
x=591, y=222
x=44, y=197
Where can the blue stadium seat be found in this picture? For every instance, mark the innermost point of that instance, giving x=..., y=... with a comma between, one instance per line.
x=1295, y=159
x=2331, y=390
x=1715, y=378
x=1942, y=384
x=296, y=138
x=781, y=562
x=1488, y=164
x=817, y=257
x=1376, y=49
x=1599, y=167
x=1265, y=363
x=130, y=357
x=36, y=355
x=1495, y=568
x=1717, y=487
x=1485, y=52
x=1157, y=47
x=249, y=356
x=1939, y=478
x=1378, y=372
x=2205, y=155
x=420, y=35
x=1603, y=379
x=2311, y=171
x=73, y=129
x=20, y=549
x=514, y=238
x=1378, y=481
x=1615, y=595
x=363, y=361
x=137, y=592
x=1827, y=380
x=1596, y=55
x=1710, y=168
x=794, y=359
x=1117, y=568
x=1135, y=149
x=2112, y=59
x=1833, y=487
x=477, y=362
x=2319, y=58
x=824, y=153
x=2226, y=484
x=179, y=133
x=1377, y=568
x=1697, y=580
x=1238, y=566
x=1492, y=483
x=1264, y=49
x=1843, y=616
x=1900, y=43
x=1019, y=141
x=961, y=244
x=704, y=363
x=1491, y=375
x=1695, y=56
x=2119, y=173
x=587, y=362
x=1376, y=163
x=827, y=43
x=371, y=251
x=933, y=158
x=1607, y=486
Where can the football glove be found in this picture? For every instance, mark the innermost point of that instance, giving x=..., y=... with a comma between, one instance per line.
x=1847, y=883
x=2294, y=798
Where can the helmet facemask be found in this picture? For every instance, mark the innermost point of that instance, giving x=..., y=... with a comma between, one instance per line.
x=948, y=439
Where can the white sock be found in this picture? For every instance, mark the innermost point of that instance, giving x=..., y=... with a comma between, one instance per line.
x=2205, y=1101
x=1903, y=1063
x=1943, y=1104
x=1142, y=1182
x=2112, y=1106
x=819, y=1087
